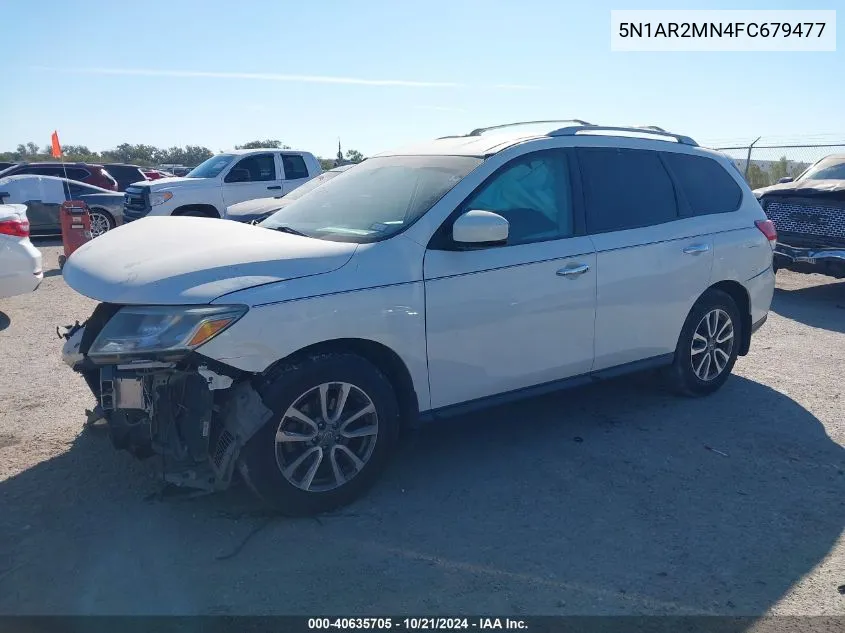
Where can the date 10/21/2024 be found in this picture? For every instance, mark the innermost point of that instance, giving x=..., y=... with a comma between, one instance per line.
x=421, y=623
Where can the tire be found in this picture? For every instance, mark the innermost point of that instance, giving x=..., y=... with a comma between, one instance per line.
x=263, y=459
x=103, y=219
x=196, y=213
x=682, y=374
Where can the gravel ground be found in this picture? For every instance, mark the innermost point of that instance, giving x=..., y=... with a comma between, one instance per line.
x=614, y=499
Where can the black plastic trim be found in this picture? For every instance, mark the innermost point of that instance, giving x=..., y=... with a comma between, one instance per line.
x=469, y=406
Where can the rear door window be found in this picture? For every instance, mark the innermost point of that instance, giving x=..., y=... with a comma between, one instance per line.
x=294, y=166
x=625, y=189
x=707, y=187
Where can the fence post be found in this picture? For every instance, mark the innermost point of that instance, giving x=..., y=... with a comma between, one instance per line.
x=748, y=158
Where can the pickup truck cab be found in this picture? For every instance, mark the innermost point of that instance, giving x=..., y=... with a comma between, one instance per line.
x=221, y=181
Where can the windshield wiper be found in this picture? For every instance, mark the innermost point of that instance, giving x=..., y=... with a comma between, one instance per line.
x=287, y=229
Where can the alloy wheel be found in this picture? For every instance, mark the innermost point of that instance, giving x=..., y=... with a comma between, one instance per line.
x=712, y=344
x=326, y=437
x=99, y=224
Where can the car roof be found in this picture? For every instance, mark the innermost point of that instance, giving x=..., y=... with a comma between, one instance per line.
x=57, y=178
x=238, y=152
x=484, y=142
x=57, y=164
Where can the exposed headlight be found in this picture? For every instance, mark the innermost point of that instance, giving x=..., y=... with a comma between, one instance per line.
x=161, y=330
x=160, y=198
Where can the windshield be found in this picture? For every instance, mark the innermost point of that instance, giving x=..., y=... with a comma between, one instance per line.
x=826, y=169
x=377, y=199
x=212, y=167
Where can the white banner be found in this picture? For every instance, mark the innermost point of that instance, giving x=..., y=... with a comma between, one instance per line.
x=729, y=30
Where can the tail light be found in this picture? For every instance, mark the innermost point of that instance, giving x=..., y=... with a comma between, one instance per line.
x=109, y=177
x=767, y=228
x=15, y=228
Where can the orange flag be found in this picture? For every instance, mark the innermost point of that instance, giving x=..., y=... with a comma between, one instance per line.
x=57, y=149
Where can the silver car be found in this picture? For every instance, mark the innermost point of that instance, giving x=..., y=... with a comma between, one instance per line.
x=43, y=196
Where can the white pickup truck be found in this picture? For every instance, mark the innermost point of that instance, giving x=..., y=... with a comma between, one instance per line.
x=221, y=181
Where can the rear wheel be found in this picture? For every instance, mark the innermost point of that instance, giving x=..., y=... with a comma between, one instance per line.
x=101, y=222
x=335, y=424
x=708, y=346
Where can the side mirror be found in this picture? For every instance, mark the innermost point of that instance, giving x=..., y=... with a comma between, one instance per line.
x=238, y=175
x=480, y=227
x=785, y=179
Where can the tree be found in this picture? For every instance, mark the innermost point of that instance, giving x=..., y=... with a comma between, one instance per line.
x=326, y=163
x=262, y=144
x=756, y=177
x=31, y=148
x=73, y=150
x=780, y=169
x=195, y=154
x=354, y=156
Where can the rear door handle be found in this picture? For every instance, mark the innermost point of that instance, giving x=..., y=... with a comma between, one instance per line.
x=573, y=271
x=275, y=187
x=697, y=249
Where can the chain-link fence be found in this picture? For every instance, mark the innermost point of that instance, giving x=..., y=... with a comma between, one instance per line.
x=765, y=162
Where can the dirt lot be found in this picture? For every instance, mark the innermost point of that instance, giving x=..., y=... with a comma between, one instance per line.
x=614, y=499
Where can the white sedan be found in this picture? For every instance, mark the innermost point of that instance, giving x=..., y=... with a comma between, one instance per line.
x=20, y=261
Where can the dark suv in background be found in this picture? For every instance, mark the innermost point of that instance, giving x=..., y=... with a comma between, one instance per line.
x=82, y=172
x=125, y=175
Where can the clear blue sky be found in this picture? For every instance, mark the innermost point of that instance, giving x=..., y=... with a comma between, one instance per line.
x=485, y=51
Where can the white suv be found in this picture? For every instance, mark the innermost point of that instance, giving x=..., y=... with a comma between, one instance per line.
x=222, y=181
x=420, y=283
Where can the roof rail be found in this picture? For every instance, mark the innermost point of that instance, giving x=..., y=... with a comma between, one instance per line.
x=479, y=131
x=649, y=129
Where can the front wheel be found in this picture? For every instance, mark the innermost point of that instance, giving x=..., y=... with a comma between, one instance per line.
x=336, y=421
x=708, y=345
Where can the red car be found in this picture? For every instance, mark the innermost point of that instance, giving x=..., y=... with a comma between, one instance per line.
x=81, y=172
x=154, y=174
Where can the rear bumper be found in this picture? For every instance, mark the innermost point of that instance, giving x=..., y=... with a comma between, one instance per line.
x=20, y=271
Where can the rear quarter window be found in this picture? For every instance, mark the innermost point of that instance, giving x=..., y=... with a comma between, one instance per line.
x=78, y=173
x=707, y=187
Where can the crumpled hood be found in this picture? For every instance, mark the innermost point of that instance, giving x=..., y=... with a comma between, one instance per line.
x=803, y=188
x=186, y=260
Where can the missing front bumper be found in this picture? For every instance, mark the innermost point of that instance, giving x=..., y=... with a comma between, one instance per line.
x=195, y=414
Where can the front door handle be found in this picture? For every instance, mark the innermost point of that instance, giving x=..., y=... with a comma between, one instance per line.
x=697, y=249
x=275, y=187
x=571, y=272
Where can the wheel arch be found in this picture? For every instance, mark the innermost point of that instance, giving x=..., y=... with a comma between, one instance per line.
x=381, y=356
x=208, y=210
x=743, y=303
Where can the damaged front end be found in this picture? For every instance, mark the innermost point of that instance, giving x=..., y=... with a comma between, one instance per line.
x=810, y=221
x=158, y=396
